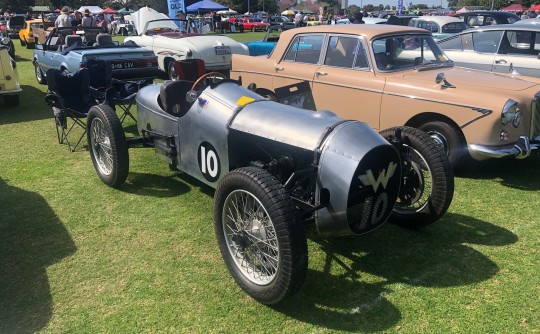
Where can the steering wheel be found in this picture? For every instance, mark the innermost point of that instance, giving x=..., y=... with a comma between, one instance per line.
x=216, y=76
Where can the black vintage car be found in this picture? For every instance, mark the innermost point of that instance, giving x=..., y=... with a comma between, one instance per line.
x=14, y=25
x=283, y=22
x=488, y=17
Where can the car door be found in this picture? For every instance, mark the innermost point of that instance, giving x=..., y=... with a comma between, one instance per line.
x=46, y=56
x=518, y=51
x=300, y=62
x=345, y=82
x=473, y=50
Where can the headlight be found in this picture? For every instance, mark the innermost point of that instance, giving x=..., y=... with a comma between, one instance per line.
x=4, y=41
x=511, y=114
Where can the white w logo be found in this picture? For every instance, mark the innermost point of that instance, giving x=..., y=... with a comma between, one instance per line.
x=368, y=178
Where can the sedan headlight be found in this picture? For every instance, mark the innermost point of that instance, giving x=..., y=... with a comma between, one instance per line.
x=4, y=41
x=511, y=114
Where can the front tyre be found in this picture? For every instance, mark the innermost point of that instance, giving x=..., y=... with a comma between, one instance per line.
x=108, y=146
x=260, y=235
x=450, y=139
x=40, y=77
x=427, y=185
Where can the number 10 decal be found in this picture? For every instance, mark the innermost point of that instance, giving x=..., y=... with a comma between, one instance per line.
x=208, y=162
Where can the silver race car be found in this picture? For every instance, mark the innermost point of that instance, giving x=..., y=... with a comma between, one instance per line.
x=276, y=168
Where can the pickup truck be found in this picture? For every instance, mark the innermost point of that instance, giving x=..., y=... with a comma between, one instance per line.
x=69, y=48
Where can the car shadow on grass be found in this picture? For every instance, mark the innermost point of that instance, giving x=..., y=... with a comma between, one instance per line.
x=509, y=172
x=145, y=184
x=20, y=59
x=360, y=273
x=32, y=238
x=31, y=108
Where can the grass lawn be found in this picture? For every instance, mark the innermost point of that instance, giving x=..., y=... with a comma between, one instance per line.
x=78, y=256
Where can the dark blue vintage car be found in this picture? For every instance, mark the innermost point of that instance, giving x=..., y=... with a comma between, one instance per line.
x=69, y=48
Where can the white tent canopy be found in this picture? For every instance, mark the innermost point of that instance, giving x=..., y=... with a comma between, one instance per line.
x=92, y=9
x=227, y=12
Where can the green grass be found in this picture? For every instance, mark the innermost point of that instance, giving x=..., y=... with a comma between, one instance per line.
x=78, y=256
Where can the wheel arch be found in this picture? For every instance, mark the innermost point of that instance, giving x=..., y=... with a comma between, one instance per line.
x=427, y=117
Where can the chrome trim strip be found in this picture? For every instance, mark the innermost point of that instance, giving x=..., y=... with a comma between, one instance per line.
x=481, y=110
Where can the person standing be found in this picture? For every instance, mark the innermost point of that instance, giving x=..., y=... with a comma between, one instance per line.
x=298, y=19
x=102, y=22
x=87, y=20
x=76, y=19
x=63, y=19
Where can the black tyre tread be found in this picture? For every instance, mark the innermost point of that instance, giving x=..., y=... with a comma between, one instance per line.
x=119, y=144
x=293, y=243
x=442, y=178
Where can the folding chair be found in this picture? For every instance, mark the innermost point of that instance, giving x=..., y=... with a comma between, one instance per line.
x=114, y=92
x=189, y=69
x=70, y=100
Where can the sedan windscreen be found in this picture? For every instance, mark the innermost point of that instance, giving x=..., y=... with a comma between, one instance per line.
x=408, y=51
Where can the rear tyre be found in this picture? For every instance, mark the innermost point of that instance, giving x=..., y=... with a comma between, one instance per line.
x=39, y=74
x=108, y=146
x=427, y=185
x=260, y=235
x=449, y=138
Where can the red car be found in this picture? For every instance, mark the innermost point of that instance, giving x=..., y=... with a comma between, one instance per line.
x=253, y=24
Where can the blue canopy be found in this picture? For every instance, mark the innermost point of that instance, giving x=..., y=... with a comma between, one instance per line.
x=205, y=6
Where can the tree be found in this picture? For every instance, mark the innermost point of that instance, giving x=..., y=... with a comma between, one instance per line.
x=452, y=3
x=284, y=5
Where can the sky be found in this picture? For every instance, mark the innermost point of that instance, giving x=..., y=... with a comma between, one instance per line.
x=394, y=2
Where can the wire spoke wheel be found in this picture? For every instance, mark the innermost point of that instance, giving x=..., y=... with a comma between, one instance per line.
x=101, y=147
x=427, y=184
x=416, y=185
x=108, y=146
x=251, y=237
x=260, y=234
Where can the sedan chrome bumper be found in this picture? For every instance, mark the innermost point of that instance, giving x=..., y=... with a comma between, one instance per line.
x=521, y=149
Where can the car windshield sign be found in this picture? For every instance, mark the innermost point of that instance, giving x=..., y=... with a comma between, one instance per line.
x=402, y=52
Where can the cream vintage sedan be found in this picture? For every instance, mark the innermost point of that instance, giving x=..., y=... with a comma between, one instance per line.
x=171, y=40
x=392, y=75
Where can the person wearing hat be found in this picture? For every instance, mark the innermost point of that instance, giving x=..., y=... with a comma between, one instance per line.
x=63, y=19
x=186, y=24
x=181, y=15
x=87, y=20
